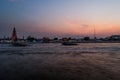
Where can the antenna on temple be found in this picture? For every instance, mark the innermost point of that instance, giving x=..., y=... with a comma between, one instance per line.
x=94, y=33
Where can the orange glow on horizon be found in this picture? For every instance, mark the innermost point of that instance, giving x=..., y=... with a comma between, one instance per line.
x=79, y=27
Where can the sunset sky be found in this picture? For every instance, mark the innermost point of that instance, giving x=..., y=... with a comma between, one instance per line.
x=52, y=18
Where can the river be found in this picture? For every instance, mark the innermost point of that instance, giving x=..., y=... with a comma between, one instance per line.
x=53, y=61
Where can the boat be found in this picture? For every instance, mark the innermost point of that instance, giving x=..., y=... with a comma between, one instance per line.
x=19, y=43
x=69, y=43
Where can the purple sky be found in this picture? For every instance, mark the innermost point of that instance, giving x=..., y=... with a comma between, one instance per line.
x=52, y=18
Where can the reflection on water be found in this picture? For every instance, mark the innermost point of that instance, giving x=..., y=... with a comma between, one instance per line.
x=86, y=61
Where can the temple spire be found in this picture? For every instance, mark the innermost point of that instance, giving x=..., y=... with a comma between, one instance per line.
x=14, y=34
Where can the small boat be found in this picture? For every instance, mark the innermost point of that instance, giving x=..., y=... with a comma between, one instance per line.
x=69, y=43
x=19, y=43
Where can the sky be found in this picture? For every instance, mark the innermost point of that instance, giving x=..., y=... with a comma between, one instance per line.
x=60, y=18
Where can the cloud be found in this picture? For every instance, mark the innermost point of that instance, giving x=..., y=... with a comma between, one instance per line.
x=84, y=25
x=77, y=24
x=15, y=0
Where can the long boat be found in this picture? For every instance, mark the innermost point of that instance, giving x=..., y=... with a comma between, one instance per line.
x=19, y=43
x=69, y=43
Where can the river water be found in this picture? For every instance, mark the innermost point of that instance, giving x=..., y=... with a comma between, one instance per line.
x=58, y=48
x=53, y=61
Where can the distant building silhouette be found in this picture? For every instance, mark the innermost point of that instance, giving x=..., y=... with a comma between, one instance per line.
x=115, y=37
x=45, y=40
x=14, y=35
x=30, y=39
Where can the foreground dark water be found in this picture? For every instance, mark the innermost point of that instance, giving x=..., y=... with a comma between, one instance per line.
x=87, y=61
